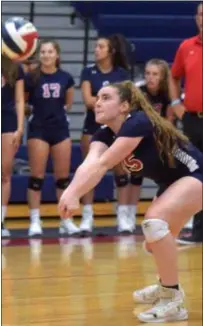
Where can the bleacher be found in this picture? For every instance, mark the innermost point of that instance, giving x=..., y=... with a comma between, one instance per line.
x=154, y=28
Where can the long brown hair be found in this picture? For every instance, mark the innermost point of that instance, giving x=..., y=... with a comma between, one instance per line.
x=117, y=44
x=163, y=86
x=9, y=70
x=166, y=135
x=37, y=71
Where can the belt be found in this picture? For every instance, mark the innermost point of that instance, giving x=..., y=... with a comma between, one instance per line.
x=200, y=115
x=197, y=114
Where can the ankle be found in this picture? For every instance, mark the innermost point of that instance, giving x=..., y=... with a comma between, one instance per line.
x=87, y=211
x=175, y=286
x=35, y=215
x=3, y=212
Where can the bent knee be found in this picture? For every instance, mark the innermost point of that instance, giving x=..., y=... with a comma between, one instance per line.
x=155, y=229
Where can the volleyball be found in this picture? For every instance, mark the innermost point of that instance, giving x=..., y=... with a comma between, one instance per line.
x=19, y=38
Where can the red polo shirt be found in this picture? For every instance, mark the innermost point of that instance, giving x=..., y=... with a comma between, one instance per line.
x=188, y=64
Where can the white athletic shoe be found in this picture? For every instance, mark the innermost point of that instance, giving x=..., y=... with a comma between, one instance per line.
x=35, y=229
x=124, y=224
x=132, y=221
x=149, y=294
x=5, y=233
x=169, y=307
x=67, y=226
x=86, y=224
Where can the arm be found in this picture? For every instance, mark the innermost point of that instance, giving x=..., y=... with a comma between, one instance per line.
x=175, y=76
x=174, y=87
x=175, y=91
x=20, y=104
x=89, y=100
x=69, y=98
x=89, y=174
x=95, y=167
x=170, y=114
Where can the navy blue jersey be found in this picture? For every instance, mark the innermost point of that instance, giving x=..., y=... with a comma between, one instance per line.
x=8, y=92
x=145, y=161
x=159, y=101
x=99, y=79
x=47, y=96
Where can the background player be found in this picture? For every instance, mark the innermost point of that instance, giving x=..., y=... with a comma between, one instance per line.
x=111, y=65
x=12, y=115
x=149, y=146
x=51, y=95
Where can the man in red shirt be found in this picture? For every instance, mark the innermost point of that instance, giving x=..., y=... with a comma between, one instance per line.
x=188, y=65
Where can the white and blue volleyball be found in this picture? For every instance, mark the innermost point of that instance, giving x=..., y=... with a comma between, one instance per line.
x=19, y=39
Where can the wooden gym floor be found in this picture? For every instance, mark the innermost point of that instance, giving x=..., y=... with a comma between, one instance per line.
x=85, y=281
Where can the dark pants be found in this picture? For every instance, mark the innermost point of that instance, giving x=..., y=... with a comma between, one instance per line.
x=193, y=128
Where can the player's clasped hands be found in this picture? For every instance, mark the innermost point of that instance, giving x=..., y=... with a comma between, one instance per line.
x=68, y=204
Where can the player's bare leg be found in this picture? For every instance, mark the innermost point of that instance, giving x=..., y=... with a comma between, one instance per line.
x=182, y=199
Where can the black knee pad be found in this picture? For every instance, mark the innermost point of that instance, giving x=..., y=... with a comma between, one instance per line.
x=121, y=180
x=35, y=183
x=62, y=183
x=135, y=181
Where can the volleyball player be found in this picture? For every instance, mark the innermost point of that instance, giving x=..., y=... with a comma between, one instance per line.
x=12, y=115
x=110, y=66
x=149, y=146
x=50, y=95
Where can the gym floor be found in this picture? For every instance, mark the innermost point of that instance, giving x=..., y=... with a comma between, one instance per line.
x=56, y=281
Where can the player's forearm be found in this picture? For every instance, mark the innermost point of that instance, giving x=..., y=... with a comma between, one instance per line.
x=20, y=109
x=87, y=176
x=90, y=103
x=174, y=88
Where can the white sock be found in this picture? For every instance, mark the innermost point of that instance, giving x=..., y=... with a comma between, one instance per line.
x=87, y=211
x=132, y=211
x=122, y=210
x=35, y=215
x=3, y=213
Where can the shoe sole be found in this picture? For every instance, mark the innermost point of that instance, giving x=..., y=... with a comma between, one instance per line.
x=35, y=234
x=183, y=316
x=62, y=232
x=84, y=233
x=6, y=235
x=125, y=232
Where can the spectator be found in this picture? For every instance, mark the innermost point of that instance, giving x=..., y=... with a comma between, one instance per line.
x=30, y=64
